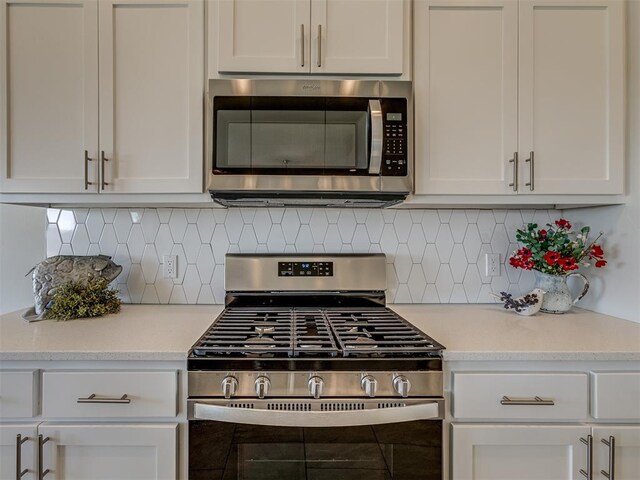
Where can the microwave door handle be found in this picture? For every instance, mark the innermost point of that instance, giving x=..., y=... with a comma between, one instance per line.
x=375, y=119
x=286, y=418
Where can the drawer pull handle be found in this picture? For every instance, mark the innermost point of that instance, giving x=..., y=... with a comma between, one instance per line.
x=94, y=399
x=19, y=471
x=589, y=443
x=611, y=443
x=525, y=401
x=41, y=472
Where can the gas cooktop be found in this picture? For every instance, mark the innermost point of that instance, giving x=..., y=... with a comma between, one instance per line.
x=306, y=332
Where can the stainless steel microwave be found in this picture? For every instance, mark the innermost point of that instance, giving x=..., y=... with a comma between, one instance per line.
x=310, y=142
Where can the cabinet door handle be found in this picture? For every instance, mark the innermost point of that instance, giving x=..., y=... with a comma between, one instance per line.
x=514, y=183
x=95, y=399
x=86, y=170
x=611, y=443
x=319, y=45
x=103, y=160
x=19, y=471
x=531, y=182
x=302, y=44
x=526, y=401
x=589, y=443
x=41, y=442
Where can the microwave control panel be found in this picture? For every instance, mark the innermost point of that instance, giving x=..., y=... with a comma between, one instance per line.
x=394, y=144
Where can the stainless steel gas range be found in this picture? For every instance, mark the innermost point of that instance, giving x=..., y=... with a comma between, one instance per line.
x=307, y=374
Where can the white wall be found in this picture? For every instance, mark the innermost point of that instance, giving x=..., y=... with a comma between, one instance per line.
x=22, y=245
x=616, y=288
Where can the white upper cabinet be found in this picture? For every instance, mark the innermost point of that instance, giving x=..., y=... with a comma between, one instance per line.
x=259, y=36
x=357, y=36
x=495, y=77
x=571, y=96
x=309, y=36
x=84, y=77
x=465, y=96
x=48, y=96
x=151, y=95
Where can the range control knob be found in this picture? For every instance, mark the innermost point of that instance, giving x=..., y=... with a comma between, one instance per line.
x=316, y=386
x=369, y=385
x=402, y=385
x=262, y=386
x=229, y=386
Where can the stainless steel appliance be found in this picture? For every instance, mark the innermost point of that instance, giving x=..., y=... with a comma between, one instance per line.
x=307, y=374
x=310, y=142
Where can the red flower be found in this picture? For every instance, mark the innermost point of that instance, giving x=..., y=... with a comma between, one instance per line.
x=596, y=251
x=522, y=259
x=601, y=263
x=524, y=253
x=543, y=233
x=562, y=223
x=568, y=263
x=551, y=258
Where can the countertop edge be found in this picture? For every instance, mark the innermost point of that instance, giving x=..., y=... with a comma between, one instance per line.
x=447, y=356
x=541, y=356
x=93, y=356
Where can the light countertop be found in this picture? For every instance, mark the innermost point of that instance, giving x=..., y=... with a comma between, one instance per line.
x=469, y=332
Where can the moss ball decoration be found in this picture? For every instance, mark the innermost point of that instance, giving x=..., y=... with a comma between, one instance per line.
x=79, y=300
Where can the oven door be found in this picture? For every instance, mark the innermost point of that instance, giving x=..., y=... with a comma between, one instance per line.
x=334, y=439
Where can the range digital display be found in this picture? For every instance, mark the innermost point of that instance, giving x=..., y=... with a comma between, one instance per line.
x=305, y=269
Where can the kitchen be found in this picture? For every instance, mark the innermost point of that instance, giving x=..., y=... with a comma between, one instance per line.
x=121, y=173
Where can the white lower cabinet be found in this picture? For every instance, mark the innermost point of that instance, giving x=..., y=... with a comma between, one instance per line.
x=109, y=451
x=18, y=451
x=579, y=446
x=626, y=452
x=523, y=452
x=543, y=452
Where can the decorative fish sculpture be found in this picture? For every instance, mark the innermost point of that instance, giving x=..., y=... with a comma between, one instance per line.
x=53, y=272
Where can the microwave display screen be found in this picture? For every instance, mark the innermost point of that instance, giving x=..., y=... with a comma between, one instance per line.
x=394, y=117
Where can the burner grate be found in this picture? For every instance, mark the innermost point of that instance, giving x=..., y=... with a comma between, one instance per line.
x=377, y=331
x=313, y=332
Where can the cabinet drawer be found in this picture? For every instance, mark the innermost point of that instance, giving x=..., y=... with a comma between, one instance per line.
x=520, y=396
x=615, y=395
x=89, y=394
x=18, y=393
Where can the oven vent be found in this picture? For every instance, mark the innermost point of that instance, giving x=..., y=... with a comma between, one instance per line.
x=241, y=405
x=391, y=405
x=334, y=407
x=296, y=407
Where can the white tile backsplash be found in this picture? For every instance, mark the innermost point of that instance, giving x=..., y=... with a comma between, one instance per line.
x=433, y=256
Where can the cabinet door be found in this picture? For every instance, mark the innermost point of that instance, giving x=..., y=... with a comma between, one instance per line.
x=465, y=96
x=626, y=453
x=151, y=95
x=571, y=90
x=259, y=36
x=92, y=452
x=9, y=451
x=48, y=95
x=357, y=36
x=525, y=452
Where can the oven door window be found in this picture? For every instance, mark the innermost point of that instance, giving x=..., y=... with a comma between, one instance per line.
x=282, y=135
x=400, y=451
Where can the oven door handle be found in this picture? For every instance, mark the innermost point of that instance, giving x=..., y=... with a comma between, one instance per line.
x=347, y=418
x=375, y=119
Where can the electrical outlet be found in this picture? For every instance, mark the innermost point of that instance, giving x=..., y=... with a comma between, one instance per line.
x=170, y=263
x=492, y=262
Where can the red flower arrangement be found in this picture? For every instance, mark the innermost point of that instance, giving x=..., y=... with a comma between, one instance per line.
x=556, y=250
